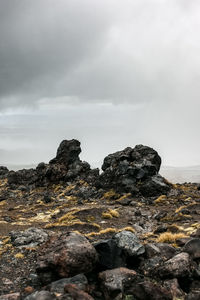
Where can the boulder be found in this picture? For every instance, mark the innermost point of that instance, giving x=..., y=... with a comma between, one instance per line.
x=193, y=248
x=112, y=281
x=177, y=266
x=12, y=296
x=129, y=243
x=3, y=172
x=65, y=255
x=146, y=290
x=133, y=170
x=76, y=294
x=173, y=286
x=116, y=252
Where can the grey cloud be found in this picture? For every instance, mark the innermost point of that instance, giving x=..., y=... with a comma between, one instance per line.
x=129, y=51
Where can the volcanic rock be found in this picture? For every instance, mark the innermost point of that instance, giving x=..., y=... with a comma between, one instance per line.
x=134, y=170
x=193, y=248
x=112, y=281
x=65, y=255
x=28, y=238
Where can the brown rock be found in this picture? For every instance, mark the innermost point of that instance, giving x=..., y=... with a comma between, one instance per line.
x=112, y=281
x=76, y=293
x=13, y=296
x=177, y=266
x=173, y=286
x=65, y=255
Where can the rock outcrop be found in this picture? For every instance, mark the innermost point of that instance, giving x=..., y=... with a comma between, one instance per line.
x=134, y=170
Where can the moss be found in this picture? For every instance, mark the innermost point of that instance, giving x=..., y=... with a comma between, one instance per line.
x=110, y=195
x=19, y=255
x=160, y=199
x=168, y=237
x=114, y=213
x=106, y=215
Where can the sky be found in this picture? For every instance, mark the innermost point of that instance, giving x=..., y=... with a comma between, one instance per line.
x=110, y=73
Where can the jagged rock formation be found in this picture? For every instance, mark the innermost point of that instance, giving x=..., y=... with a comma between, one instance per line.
x=66, y=166
x=134, y=170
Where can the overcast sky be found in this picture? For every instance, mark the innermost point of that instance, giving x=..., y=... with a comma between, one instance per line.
x=111, y=73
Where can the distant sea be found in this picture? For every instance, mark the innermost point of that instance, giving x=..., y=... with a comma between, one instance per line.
x=181, y=174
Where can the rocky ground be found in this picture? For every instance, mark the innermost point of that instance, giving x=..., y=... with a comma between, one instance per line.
x=68, y=232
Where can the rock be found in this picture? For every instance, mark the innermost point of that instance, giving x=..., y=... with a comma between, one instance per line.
x=115, y=252
x=3, y=172
x=151, y=250
x=149, y=267
x=146, y=290
x=112, y=281
x=76, y=293
x=13, y=296
x=167, y=251
x=129, y=243
x=133, y=170
x=172, y=285
x=110, y=256
x=67, y=153
x=177, y=266
x=193, y=248
x=195, y=295
x=28, y=238
x=154, y=186
x=22, y=177
x=65, y=255
x=42, y=295
x=58, y=286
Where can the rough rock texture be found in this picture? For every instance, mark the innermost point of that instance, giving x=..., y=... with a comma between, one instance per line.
x=112, y=281
x=129, y=243
x=42, y=295
x=146, y=290
x=64, y=167
x=65, y=255
x=76, y=294
x=193, y=248
x=3, y=172
x=28, y=238
x=115, y=252
x=134, y=170
x=58, y=286
x=177, y=266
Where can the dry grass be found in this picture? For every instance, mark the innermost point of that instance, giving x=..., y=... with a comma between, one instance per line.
x=114, y=213
x=106, y=215
x=110, y=230
x=110, y=195
x=19, y=255
x=168, y=237
x=160, y=199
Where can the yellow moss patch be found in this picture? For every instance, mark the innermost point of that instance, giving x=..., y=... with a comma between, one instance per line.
x=90, y=219
x=160, y=199
x=106, y=215
x=110, y=230
x=110, y=194
x=168, y=237
x=114, y=213
x=124, y=197
x=2, y=203
x=19, y=255
x=174, y=228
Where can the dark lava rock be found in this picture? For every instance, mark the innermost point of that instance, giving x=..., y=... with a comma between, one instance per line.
x=167, y=251
x=28, y=238
x=153, y=186
x=58, y=286
x=67, y=153
x=76, y=294
x=177, y=266
x=146, y=290
x=3, y=172
x=22, y=177
x=115, y=252
x=193, y=248
x=172, y=285
x=151, y=250
x=129, y=243
x=133, y=170
x=42, y=295
x=112, y=281
x=65, y=255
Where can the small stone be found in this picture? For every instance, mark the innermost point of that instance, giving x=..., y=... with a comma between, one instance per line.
x=193, y=248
